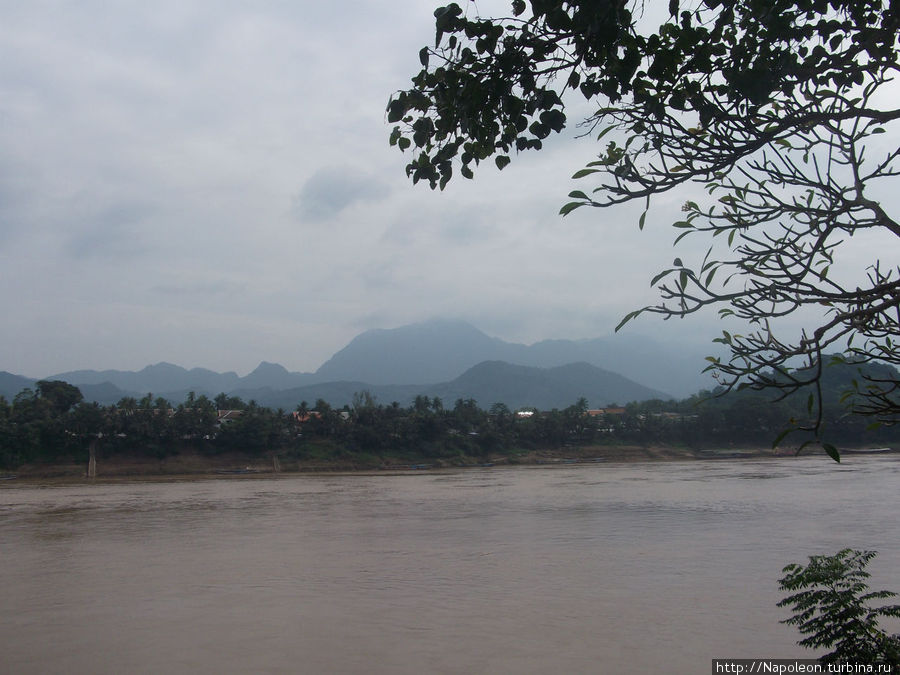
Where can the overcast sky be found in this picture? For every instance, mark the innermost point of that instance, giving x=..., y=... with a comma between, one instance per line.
x=210, y=183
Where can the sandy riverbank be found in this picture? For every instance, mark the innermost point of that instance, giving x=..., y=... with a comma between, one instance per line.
x=196, y=464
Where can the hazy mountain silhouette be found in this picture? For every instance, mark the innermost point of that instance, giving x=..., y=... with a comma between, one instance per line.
x=438, y=358
x=274, y=376
x=156, y=378
x=440, y=350
x=420, y=353
x=518, y=386
x=10, y=384
x=488, y=383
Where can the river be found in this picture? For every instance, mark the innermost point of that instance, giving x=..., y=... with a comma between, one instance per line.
x=599, y=568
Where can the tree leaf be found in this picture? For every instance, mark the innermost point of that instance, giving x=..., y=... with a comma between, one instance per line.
x=832, y=452
x=568, y=208
x=780, y=437
x=659, y=277
x=584, y=172
x=628, y=317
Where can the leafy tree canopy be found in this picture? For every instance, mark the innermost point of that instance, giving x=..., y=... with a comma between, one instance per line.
x=774, y=106
x=60, y=396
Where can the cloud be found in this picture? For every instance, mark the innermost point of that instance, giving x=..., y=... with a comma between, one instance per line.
x=155, y=161
x=331, y=190
x=110, y=230
x=203, y=289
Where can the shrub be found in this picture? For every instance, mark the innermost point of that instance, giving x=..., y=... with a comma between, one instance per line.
x=831, y=605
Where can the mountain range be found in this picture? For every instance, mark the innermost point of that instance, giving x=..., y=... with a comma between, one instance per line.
x=449, y=359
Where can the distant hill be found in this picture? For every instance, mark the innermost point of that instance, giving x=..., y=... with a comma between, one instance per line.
x=156, y=378
x=10, y=384
x=386, y=358
x=488, y=383
x=438, y=358
x=544, y=388
x=274, y=376
x=420, y=353
x=431, y=352
x=165, y=378
x=440, y=350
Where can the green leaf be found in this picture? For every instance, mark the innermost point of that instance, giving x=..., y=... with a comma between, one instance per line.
x=682, y=236
x=502, y=161
x=584, y=172
x=628, y=317
x=396, y=109
x=802, y=445
x=640, y=220
x=568, y=208
x=659, y=277
x=832, y=452
x=578, y=194
x=403, y=143
x=780, y=437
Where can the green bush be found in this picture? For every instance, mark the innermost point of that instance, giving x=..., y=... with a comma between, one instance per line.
x=831, y=605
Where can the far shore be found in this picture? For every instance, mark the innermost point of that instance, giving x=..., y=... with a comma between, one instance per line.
x=194, y=465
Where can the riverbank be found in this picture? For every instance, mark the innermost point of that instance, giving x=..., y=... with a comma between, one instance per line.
x=195, y=464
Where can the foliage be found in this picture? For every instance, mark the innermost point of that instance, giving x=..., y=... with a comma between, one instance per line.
x=59, y=396
x=830, y=600
x=32, y=430
x=778, y=108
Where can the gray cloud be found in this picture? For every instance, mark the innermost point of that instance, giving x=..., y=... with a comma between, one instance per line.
x=214, y=287
x=331, y=190
x=110, y=230
x=155, y=160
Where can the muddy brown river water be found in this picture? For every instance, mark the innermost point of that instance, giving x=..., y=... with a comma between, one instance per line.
x=602, y=568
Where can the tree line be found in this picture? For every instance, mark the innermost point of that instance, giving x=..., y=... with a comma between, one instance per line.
x=53, y=423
